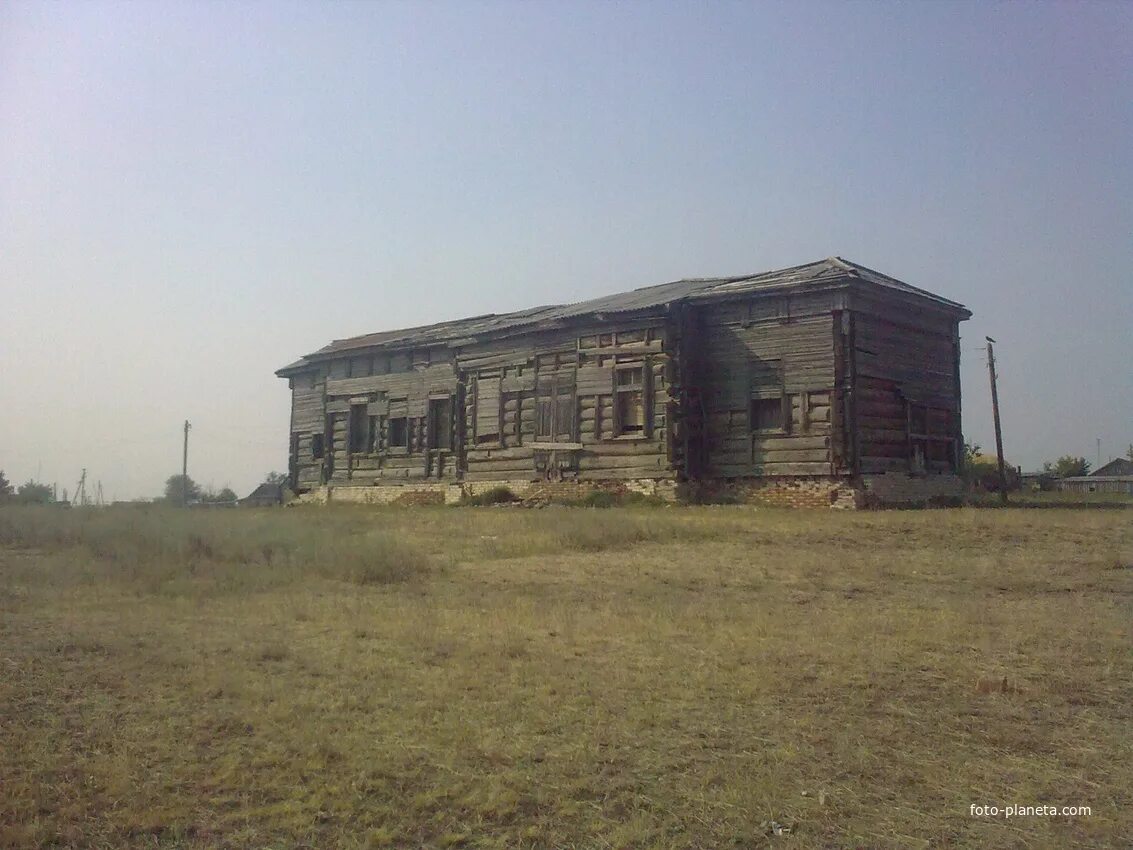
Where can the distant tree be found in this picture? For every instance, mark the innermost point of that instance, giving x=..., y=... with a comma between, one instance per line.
x=6, y=491
x=1068, y=466
x=175, y=494
x=1128, y=454
x=971, y=453
x=982, y=471
x=35, y=493
x=282, y=478
x=211, y=496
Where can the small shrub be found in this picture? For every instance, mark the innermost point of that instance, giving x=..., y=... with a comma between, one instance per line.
x=599, y=499
x=495, y=496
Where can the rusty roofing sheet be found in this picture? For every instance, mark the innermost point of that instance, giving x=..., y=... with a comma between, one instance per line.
x=818, y=273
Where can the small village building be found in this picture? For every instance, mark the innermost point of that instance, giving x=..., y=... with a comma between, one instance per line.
x=1113, y=477
x=265, y=495
x=822, y=384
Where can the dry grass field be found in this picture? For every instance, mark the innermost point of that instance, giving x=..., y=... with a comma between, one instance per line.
x=566, y=677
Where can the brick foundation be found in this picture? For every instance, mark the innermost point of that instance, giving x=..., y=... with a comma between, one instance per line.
x=439, y=493
x=800, y=492
x=794, y=492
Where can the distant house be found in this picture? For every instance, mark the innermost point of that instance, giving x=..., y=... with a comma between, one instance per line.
x=822, y=384
x=1118, y=466
x=266, y=495
x=1113, y=477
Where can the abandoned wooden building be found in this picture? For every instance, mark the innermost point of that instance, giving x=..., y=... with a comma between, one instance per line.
x=823, y=384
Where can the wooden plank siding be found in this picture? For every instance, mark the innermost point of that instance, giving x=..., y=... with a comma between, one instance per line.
x=839, y=377
x=497, y=385
x=782, y=353
x=906, y=360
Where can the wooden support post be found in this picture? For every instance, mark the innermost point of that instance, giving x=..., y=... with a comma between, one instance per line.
x=185, y=467
x=995, y=414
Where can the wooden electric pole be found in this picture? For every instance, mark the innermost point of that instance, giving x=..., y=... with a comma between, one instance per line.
x=995, y=413
x=185, y=467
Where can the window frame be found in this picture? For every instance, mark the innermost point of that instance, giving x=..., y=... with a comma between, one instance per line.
x=642, y=389
x=563, y=395
x=781, y=400
x=443, y=402
x=920, y=442
x=357, y=425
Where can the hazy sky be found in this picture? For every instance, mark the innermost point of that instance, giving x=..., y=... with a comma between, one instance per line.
x=194, y=194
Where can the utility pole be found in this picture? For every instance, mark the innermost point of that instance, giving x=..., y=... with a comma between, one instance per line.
x=185, y=468
x=995, y=413
x=81, y=490
x=1099, y=439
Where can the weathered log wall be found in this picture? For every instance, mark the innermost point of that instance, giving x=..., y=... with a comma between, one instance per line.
x=831, y=382
x=768, y=384
x=907, y=392
x=580, y=403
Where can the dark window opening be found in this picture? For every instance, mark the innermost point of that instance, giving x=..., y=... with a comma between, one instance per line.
x=440, y=423
x=317, y=446
x=399, y=432
x=359, y=428
x=767, y=414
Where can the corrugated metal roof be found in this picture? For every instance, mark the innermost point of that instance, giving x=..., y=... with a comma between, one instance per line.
x=822, y=272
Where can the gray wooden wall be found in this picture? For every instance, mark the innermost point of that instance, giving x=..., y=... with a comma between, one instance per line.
x=769, y=349
x=818, y=383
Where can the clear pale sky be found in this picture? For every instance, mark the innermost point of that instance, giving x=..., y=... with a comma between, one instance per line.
x=194, y=194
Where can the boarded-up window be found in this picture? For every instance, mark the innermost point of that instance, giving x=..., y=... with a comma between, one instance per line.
x=770, y=406
x=487, y=409
x=359, y=367
x=931, y=446
x=800, y=411
x=440, y=423
x=317, y=446
x=511, y=406
x=554, y=408
x=629, y=400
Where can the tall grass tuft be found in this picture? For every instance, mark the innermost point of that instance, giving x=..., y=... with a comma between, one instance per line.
x=169, y=550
